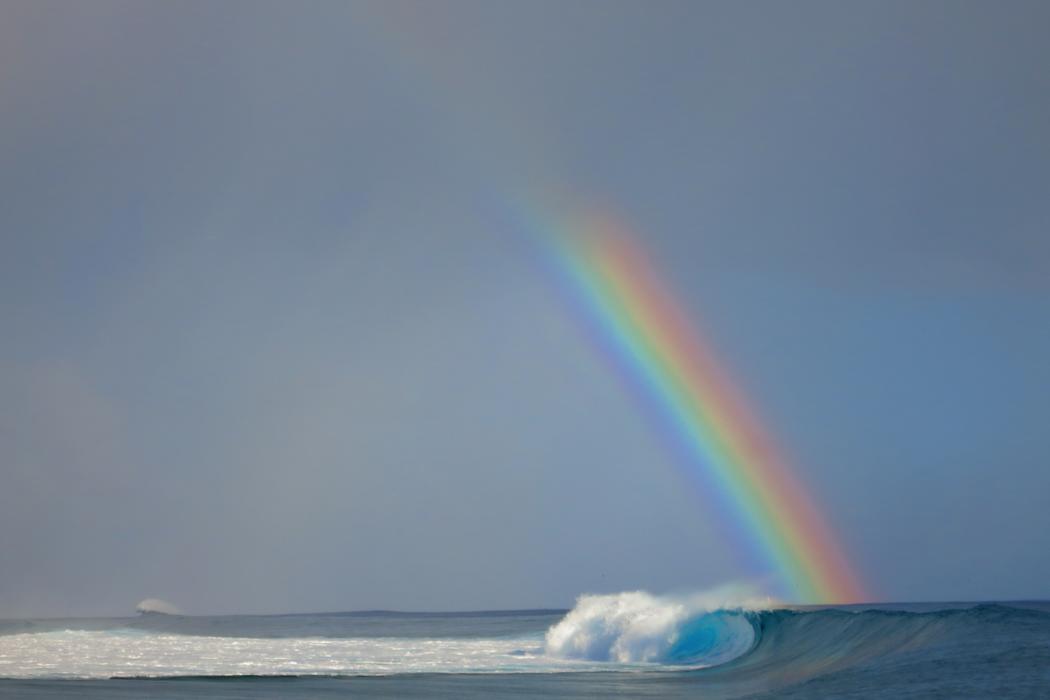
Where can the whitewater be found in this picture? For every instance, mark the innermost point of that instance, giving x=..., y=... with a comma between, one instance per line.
x=623, y=644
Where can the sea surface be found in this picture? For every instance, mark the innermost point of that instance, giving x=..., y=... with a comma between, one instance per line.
x=625, y=645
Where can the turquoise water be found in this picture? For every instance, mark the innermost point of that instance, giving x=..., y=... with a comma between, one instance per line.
x=662, y=649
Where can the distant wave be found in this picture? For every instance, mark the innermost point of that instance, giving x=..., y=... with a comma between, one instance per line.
x=156, y=606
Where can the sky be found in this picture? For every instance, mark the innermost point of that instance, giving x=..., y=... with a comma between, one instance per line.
x=271, y=341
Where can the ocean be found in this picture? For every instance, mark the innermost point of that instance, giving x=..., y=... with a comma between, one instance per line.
x=626, y=645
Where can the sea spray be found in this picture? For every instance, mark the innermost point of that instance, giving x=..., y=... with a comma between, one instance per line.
x=701, y=629
x=156, y=606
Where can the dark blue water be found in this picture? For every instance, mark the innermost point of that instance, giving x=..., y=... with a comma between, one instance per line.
x=929, y=650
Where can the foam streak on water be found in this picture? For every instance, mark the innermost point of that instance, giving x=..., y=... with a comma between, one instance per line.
x=105, y=654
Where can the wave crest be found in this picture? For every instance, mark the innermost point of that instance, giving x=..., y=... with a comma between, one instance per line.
x=638, y=627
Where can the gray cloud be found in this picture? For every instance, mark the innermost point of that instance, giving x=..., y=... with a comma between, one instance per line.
x=272, y=343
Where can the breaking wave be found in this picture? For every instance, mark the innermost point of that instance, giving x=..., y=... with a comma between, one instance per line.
x=637, y=627
x=745, y=644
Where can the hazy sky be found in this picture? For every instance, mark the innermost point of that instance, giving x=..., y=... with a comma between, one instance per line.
x=269, y=342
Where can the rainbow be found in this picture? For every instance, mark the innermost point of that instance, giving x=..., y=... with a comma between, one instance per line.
x=660, y=351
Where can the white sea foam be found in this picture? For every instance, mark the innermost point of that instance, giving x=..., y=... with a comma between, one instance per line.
x=624, y=631
x=122, y=653
x=637, y=627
